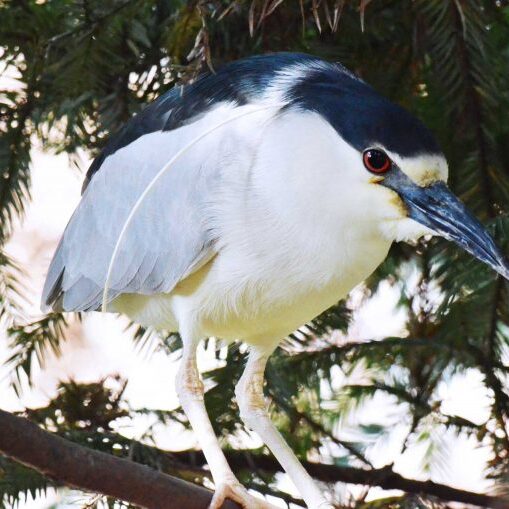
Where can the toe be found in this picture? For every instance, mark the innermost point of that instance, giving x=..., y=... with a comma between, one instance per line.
x=233, y=490
x=217, y=500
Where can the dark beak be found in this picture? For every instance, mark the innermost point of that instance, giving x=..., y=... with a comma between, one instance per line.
x=436, y=207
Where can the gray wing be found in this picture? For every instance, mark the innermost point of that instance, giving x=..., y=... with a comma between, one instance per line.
x=167, y=238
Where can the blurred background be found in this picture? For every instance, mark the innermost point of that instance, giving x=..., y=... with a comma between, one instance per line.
x=409, y=373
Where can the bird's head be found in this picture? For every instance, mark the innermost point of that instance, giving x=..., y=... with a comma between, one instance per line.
x=418, y=202
x=395, y=173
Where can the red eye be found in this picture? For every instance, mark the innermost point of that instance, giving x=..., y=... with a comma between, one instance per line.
x=376, y=161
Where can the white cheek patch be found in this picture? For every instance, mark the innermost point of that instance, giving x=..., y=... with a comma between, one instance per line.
x=423, y=169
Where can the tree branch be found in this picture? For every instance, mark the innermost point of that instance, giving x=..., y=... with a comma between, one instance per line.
x=89, y=470
x=384, y=477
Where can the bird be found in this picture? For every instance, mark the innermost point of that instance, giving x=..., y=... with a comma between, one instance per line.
x=241, y=206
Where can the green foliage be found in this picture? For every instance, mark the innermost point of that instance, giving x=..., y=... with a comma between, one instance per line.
x=84, y=67
x=18, y=482
x=30, y=342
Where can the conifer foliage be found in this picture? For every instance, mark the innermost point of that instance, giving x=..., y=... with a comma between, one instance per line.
x=78, y=69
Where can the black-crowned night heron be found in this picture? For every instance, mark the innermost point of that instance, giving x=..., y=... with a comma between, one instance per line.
x=242, y=206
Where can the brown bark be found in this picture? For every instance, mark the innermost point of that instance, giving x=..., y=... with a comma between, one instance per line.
x=89, y=470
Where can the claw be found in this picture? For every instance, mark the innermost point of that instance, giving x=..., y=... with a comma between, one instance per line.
x=233, y=490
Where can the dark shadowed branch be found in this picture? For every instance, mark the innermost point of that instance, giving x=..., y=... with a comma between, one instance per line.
x=383, y=477
x=67, y=463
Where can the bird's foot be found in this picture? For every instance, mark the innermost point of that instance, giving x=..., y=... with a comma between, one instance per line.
x=233, y=490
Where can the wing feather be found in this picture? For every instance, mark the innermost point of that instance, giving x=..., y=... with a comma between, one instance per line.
x=168, y=237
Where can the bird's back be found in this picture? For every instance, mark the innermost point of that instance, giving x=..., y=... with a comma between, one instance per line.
x=240, y=82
